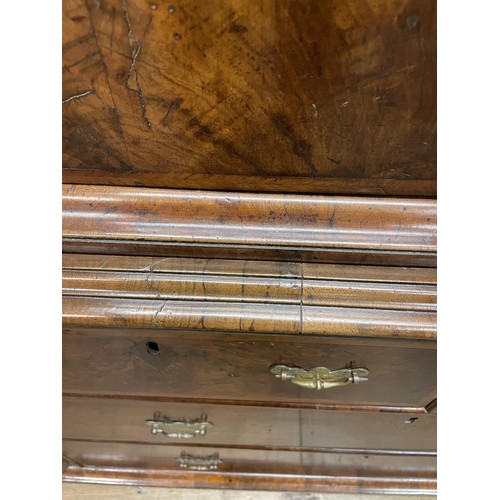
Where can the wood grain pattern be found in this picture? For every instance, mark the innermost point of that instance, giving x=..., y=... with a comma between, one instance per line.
x=228, y=267
x=207, y=267
x=250, y=222
x=110, y=212
x=264, y=252
x=247, y=469
x=248, y=281
x=249, y=289
x=247, y=317
x=248, y=296
x=90, y=453
x=295, y=96
x=94, y=331
x=238, y=368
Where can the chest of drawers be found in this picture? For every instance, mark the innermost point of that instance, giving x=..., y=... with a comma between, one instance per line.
x=249, y=244
x=245, y=372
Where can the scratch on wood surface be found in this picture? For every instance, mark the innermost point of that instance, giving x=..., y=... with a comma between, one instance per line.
x=159, y=311
x=79, y=96
x=114, y=110
x=104, y=263
x=136, y=49
x=151, y=266
x=152, y=287
x=172, y=106
x=399, y=172
x=92, y=82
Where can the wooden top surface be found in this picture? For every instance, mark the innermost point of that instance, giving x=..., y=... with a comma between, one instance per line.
x=291, y=96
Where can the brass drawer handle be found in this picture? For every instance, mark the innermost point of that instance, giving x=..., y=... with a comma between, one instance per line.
x=320, y=377
x=179, y=429
x=193, y=462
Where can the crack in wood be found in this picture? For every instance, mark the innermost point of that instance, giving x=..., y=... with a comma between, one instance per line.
x=136, y=49
x=79, y=96
x=114, y=109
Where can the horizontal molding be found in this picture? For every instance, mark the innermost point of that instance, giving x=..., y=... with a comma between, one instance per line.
x=408, y=482
x=168, y=219
x=176, y=286
x=248, y=296
x=303, y=405
x=247, y=317
x=186, y=266
x=227, y=267
x=225, y=251
x=293, y=449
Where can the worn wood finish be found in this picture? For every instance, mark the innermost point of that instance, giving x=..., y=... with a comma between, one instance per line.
x=228, y=251
x=250, y=183
x=193, y=334
x=109, y=212
x=79, y=491
x=91, y=453
x=224, y=267
x=295, y=96
x=247, y=281
x=247, y=317
x=376, y=274
x=249, y=296
x=249, y=427
x=249, y=469
x=412, y=484
x=239, y=369
x=249, y=289
x=103, y=219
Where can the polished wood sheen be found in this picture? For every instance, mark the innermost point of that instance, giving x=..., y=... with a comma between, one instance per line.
x=90, y=453
x=120, y=463
x=247, y=317
x=364, y=230
x=248, y=281
x=250, y=289
x=289, y=96
x=227, y=267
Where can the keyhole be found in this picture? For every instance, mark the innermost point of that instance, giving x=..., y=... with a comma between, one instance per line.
x=153, y=347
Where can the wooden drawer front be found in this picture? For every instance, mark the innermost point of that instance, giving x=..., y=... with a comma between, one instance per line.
x=148, y=456
x=237, y=367
x=119, y=420
x=124, y=463
x=125, y=420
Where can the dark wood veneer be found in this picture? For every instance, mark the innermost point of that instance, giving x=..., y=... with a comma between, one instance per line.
x=289, y=96
x=249, y=183
x=238, y=368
